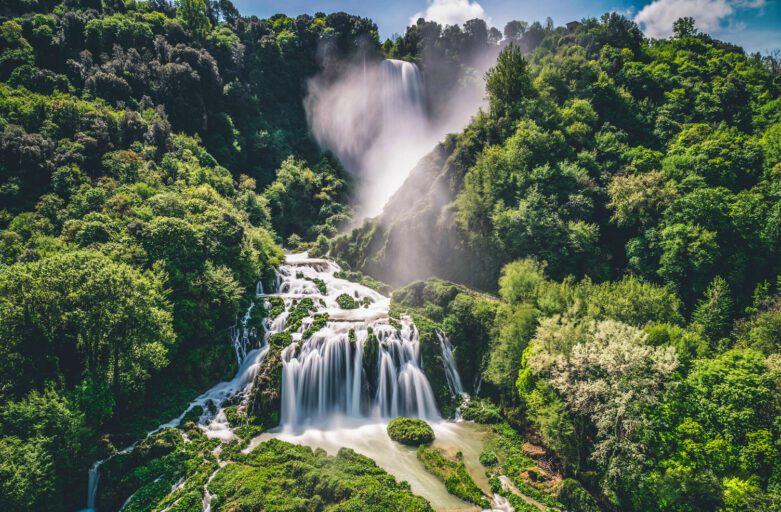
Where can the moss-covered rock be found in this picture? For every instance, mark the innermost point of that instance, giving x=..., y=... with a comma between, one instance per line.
x=265, y=399
x=410, y=431
x=320, y=321
x=481, y=411
x=299, y=310
x=371, y=354
x=346, y=301
x=488, y=458
x=453, y=473
x=282, y=476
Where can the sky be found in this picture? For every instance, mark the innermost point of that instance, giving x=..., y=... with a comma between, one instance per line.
x=753, y=24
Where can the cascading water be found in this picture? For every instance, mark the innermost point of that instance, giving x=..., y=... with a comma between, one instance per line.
x=357, y=365
x=250, y=351
x=451, y=370
x=403, y=94
x=341, y=378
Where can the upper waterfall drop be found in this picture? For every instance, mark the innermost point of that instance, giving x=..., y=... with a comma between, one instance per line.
x=373, y=116
x=404, y=95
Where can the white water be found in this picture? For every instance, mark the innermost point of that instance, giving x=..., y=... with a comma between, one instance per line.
x=324, y=378
x=451, y=370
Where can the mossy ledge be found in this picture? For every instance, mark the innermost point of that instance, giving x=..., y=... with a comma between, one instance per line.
x=410, y=431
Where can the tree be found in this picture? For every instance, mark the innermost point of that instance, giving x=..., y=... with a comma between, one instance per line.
x=516, y=327
x=609, y=374
x=194, y=15
x=82, y=315
x=508, y=82
x=514, y=30
x=714, y=313
x=684, y=27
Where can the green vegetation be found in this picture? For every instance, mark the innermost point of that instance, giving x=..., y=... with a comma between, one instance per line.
x=365, y=280
x=298, y=311
x=621, y=195
x=277, y=307
x=410, y=431
x=453, y=473
x=480, y=411
x=264, y=478
x=320, y=321
x=346, y=301
x=464, y=315
x=261, y=479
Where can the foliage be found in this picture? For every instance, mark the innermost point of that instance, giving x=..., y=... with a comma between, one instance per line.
x=410, y=431
x=453, y=473
x=346, y=301
x=346, y=482
x=480, y=411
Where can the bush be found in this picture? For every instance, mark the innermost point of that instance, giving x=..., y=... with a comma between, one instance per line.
x=345, y=301
x=481, y=411
x=488, y=458
x=410, y=431
x=573, y=496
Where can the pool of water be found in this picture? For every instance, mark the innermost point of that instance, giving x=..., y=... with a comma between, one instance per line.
x=372, y=441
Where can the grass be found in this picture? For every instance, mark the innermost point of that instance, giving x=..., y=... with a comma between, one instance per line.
x=453, y=473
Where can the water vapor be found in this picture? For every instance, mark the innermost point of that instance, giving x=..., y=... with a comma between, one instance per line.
x=376, y=116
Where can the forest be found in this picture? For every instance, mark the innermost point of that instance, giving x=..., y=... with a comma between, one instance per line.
x=601, y=244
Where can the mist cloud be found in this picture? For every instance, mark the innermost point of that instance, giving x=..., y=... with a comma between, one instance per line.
x=374, y=116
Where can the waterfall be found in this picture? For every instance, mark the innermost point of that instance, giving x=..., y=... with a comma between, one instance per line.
x=374, y=118
x=92, y=485
x=451, y=371
x=403, y=95
x=358, y=365
x=250, y=351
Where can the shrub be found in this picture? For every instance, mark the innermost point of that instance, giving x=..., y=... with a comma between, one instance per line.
x=488, y=458
x=410, y=431
x=345, y=301
x=573, y=496
x=480, y=411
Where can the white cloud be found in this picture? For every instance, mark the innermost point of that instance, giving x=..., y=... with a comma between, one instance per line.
x=656, y=19
x=451, y=12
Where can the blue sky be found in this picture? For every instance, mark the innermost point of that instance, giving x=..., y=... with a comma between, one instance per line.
x=754, y=24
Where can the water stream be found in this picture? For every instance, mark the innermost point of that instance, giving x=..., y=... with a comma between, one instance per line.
x=342, y=381
x=358, y=365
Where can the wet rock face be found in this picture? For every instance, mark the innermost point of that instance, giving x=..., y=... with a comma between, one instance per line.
x=116, y=479
x=265, y=397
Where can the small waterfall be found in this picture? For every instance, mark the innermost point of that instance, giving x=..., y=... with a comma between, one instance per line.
x=451, y=371
x=92, y=485
x=243, y=337
x=358, y=365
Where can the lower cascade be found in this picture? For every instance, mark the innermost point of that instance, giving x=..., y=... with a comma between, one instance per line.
x=346, y=359
x=357, y=365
